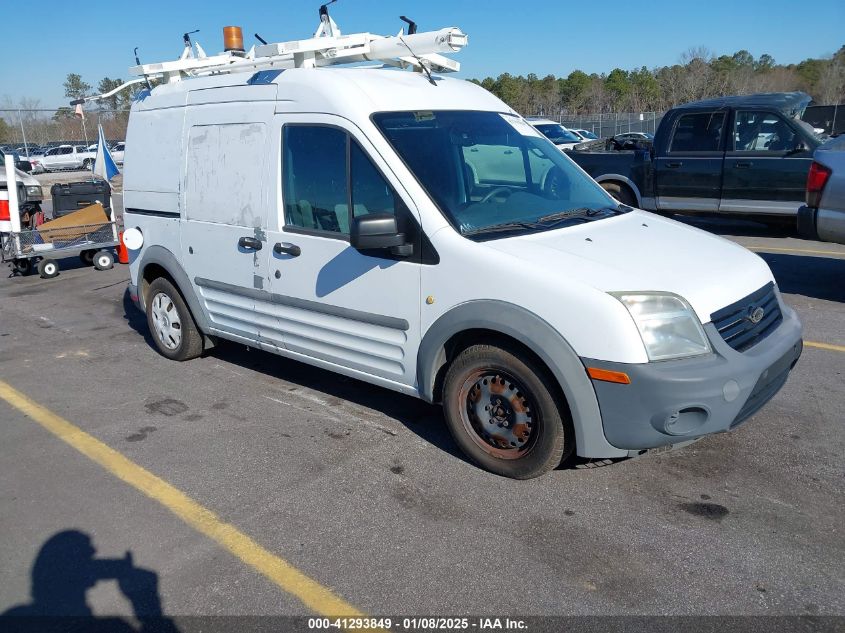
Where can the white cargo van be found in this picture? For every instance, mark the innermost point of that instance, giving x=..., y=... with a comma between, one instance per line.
x=419, y=235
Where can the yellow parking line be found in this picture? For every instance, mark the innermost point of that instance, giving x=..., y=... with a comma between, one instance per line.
x=828, y=346
x=766, y=249
x=313, y=595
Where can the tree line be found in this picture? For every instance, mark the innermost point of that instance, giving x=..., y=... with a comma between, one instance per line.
x=698, y=75
x=112, y=112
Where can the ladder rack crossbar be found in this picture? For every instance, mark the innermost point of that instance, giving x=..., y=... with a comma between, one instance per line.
x=402, y=50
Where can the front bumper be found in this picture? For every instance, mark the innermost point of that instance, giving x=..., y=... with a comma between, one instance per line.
x=676, y=401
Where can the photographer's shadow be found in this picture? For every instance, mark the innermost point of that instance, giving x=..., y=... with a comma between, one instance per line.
x=63, y=572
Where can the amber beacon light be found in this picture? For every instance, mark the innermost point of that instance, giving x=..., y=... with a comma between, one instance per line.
x=233, y=38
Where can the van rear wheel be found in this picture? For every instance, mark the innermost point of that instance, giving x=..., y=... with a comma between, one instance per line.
x=173, y=328
x=501, y=410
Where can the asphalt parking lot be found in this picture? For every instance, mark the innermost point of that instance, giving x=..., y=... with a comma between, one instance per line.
x=362, y=493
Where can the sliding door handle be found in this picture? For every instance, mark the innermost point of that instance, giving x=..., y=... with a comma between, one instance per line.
x=674, y=165
x=745, y=164
x=249, y=243
x=287, y=249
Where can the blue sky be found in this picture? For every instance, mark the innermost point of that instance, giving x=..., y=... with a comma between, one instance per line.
x=49, y=39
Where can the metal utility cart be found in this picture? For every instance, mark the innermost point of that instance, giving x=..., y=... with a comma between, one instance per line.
x=27, y=249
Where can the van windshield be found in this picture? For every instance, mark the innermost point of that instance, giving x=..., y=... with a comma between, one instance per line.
x=493, y=174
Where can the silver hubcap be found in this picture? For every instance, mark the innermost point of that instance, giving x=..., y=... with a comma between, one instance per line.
x=498, y=413
x=166, y=321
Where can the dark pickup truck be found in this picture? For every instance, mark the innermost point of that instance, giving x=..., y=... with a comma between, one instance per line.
x=747, y=154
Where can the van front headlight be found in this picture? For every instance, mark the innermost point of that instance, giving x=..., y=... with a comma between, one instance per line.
x=667, y=324
x=33, y=192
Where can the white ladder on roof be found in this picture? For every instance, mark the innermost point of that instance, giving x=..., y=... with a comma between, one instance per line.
x=328, y=47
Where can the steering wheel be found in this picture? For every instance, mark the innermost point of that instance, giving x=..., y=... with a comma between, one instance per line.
x=556, y=184
x=492, y=193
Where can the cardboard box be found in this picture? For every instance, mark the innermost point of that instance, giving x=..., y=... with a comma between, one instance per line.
x=74, y=225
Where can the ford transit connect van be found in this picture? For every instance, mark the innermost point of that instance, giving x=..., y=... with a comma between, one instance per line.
x=418, y=234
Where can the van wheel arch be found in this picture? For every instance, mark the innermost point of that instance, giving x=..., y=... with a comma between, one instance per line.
x=161, y=263
x=465, y=339
x=494, y=319
x=150, y=273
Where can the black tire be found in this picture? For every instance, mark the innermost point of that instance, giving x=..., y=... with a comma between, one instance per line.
x=86, y=164
x=22, y=266
x=87, y=257
x=621, y=192
x=527, y=433
x=189, y=344
x=103, y=260
x=48, y=268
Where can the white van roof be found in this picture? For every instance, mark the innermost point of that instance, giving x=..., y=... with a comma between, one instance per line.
x=330, y=90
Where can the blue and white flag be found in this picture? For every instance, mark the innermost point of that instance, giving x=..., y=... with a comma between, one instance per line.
x=104, y=165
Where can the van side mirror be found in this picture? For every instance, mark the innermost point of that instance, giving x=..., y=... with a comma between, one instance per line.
x=378, y=231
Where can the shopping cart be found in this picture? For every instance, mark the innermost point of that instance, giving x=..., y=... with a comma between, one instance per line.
x=28, y=249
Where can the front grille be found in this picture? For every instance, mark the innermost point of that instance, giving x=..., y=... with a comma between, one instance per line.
x=734, y=322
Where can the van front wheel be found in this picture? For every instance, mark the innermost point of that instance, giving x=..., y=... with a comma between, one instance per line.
x=501, y=410
x=170, y=322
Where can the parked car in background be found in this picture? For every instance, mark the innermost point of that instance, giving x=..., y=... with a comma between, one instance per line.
x=741, y=155
x=584, y=135
x=555, y=132
x=67, y=157
x=30, y=193
x=823, y=217
x=117, y=152
x=28, y=151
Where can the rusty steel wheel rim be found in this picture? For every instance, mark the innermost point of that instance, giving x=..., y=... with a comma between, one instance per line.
x=498, y=413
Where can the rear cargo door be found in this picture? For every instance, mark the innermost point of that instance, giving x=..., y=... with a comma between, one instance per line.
x=688, y=171
x=763, y=171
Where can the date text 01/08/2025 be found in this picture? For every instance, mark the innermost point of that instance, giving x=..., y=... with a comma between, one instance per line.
x=418, y=624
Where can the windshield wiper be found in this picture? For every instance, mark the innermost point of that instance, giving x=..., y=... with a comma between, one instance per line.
x=583, y=214
x=577, y=214
x=504, y=226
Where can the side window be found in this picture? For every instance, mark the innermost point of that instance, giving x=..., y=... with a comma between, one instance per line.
x=698, y=132
x=370, y=191
x=756, y=131
x=65, y=150
x=316, y=194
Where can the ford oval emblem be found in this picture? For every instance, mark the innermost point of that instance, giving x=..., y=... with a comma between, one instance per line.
x=756, y=315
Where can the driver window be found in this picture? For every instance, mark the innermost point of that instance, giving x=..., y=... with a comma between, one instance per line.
x=370, y=191
x=756, y=131
x=314, y=181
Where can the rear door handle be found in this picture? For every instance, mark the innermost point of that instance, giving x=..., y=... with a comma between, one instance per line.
x=743, y=164
x=674, y=165
x=288, y=249
x=250, y=243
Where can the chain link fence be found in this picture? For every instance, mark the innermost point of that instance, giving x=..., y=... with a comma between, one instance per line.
x=30, y=132
x=609, y=124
